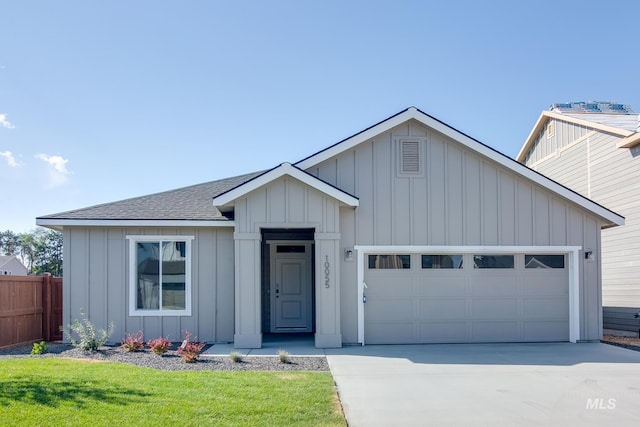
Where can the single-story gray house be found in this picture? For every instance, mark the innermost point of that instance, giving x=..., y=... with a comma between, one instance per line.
x=407, y=232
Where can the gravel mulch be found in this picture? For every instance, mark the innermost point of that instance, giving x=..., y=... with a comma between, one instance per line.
x=632, y=343
x=171, y=361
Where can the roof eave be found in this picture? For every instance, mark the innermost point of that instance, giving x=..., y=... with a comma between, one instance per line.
x=630, y=141
x=60, y=223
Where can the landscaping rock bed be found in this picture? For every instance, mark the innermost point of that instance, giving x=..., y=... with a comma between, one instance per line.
x=171, y=361
x=632, y=343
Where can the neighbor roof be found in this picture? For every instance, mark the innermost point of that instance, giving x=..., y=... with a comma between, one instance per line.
x=609, y=117
x=606, y=113
x=5, y=259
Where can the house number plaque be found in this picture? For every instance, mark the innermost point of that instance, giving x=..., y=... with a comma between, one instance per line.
x=327, y=271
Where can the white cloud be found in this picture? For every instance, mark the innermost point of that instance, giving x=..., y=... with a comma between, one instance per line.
x=11, y=161
x=57, y=169
x=5, y=123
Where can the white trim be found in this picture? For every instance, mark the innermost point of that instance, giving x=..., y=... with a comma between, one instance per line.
x=629, y=141
x=573, y=253
x=546, y=115
x=133, y=239
x=611, y=218
x=275, y=173
x=45, y=222
x=559, y=151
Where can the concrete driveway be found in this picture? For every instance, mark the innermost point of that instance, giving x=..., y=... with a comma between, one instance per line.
x=559, y=384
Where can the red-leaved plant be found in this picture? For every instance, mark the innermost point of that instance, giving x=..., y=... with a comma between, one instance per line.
x=133, y=342
x=160, y=345
x=190, y=350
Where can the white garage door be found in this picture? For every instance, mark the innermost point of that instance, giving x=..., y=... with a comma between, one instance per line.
x=436, y=298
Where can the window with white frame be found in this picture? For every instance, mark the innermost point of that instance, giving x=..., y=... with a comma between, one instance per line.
x=160, y=275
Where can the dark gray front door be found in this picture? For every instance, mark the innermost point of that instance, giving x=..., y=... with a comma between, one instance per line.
x=291, y=308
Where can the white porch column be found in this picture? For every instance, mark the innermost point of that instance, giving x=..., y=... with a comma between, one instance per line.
x=327, y=267
x=247, y=291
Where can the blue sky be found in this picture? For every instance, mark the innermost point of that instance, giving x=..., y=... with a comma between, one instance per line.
x=101, y=101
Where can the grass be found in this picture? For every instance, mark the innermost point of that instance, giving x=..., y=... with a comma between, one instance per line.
x=60, y=391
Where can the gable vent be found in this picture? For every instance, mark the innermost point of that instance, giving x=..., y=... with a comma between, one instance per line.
x=410, y=153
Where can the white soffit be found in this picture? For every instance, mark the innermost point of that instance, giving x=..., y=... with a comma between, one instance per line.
x=277, y=172
x=413, y=113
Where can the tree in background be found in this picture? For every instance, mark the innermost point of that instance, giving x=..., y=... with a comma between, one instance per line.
x=39, y=250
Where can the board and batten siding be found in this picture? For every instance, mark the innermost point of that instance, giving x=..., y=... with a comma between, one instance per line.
x=596, y=168
x=460, y=199
x=287, y=203
x=96, y=265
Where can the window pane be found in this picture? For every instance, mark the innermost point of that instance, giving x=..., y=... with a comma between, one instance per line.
x=493, y=261
x=173, y=276
x=544, y=261
x=441, y=261
x=390, y=262
x=148, y=276
x=294, y=249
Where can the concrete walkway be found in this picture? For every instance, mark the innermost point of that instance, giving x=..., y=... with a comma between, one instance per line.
x=561, y=384
x=295, y=345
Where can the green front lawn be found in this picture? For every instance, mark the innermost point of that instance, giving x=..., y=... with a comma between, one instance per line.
x=78, y=392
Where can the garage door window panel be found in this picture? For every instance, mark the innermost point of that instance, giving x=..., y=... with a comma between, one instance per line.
x=543, y=261
x=442, y=262
x=493, y=261
x=390, y=262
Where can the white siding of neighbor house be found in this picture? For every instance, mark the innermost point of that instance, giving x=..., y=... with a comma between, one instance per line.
x=13, y=267
x=96, y=265
x=608, y=175
x=460, y=199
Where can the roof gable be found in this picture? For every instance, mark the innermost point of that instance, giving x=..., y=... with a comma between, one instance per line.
x=610, y=218
x=578, y=119
x=288, y=169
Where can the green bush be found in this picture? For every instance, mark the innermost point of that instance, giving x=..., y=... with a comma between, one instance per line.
x=39, y=348
x=83, y=334
x=283, y=356
x=236, y=356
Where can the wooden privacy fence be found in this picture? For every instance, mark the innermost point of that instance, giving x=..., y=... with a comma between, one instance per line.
x=30, y=309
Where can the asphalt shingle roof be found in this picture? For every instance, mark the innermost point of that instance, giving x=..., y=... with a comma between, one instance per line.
x=188, y=203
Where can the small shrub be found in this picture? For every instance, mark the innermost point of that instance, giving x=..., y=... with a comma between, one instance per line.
x=160, y=345
x=83, y=334
x=283, y=356
x=39, y=348
x=236, y=357
x=133, y=342
x=190, y=350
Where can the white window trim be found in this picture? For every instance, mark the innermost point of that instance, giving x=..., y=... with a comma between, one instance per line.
x=133, y=239
x=572, y=252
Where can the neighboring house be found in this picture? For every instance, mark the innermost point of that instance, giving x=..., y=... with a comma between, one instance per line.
x=594, y=149
x=10, y=265
x=407, y=232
